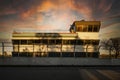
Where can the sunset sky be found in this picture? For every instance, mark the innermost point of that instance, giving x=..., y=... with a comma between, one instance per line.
x=58, y=15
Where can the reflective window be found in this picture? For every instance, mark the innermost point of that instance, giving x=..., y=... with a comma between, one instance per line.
x=16, y=41
x=58, y=41
x=37, y=41
x=85, y=28
x=79, y=28
x=90, y=27
x=52, y=42
x=30, y=42
x=96, y=28
x=23, y=41
x=79, y=42
x=87, y=41
x=45, y=41
x=95, y=42
x=65, y=41
x=70, y=42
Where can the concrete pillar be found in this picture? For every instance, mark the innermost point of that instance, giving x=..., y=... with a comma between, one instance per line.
x=74, y=47
x=33, y=51
x=2, y=48
x=19, y=47
x=61, y=48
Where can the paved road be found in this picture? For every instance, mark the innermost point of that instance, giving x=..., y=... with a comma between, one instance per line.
x=59, y=73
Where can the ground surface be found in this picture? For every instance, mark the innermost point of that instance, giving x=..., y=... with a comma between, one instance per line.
x=60, y=73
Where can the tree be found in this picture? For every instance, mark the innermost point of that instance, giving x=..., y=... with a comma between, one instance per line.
x=116, y=46
x=113, y=45
x=106, y=44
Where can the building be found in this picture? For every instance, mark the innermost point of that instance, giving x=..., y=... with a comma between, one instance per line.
x=81, y=41
x=5, y=47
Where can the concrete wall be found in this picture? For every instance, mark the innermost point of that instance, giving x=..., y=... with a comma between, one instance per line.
x=88, y=35
x=43, y=61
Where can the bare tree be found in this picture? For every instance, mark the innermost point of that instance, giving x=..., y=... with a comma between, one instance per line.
x=113, y=45
x=116, y=46
x=106, y=44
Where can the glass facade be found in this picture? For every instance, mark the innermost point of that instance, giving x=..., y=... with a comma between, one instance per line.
x=44, y=47
x=77, y=43
x=88, y=28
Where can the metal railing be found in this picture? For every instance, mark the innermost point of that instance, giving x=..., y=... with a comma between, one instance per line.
x=6, y=48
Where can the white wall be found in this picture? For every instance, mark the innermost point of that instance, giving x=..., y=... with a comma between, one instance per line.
x=88, y=35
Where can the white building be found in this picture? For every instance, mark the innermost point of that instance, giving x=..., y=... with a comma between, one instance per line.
x=82, y=41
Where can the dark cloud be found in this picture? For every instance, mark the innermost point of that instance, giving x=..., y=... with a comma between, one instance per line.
x=17, y=6
x=93, y=8
x=52, y=13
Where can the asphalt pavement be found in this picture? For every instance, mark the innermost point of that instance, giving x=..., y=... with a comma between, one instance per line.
x=59, y=73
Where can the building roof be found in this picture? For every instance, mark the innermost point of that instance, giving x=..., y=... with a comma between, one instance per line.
x=44, y=35
x=87, y=22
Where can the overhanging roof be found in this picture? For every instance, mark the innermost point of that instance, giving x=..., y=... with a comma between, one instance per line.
x=44, y=35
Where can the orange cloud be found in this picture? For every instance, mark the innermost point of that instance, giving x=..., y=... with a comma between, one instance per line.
x=59, y=14
x=28, y=13
x=83, y=9
x=60, y=6
x=104, y=6
x=45, y=6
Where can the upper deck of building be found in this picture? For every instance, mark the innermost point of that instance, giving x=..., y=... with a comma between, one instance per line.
x=78, y=30
x=85, y=26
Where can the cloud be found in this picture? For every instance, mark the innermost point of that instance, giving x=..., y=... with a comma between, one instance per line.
x=60, y=14
x=111, y=31
x=54, y=14
x=104, y=5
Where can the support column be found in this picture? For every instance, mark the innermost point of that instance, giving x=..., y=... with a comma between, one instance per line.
x=47, y=47
x=61, y=48
x=2, y=48
x=33, y=51
x=74, y=47
x=18, y=47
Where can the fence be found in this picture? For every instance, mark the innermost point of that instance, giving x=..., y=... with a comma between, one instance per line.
x=6, y=48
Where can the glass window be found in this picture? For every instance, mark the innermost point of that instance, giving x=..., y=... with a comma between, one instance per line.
x=58, y=41
x=52, y=42
x=37, y=41
x=72, y=42
x=79, y=28
x=85, y=28
x=45, y=41
x=16, y=41
x=87, y=42
x=65, y=41
x=98, y=27
x=30, y=41
x=95, y=29
x=23, y=41
x=95, y=42
x=90, y=27
x=79, y=42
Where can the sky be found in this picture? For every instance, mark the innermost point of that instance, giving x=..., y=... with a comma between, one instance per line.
x=58, y=15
